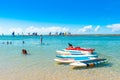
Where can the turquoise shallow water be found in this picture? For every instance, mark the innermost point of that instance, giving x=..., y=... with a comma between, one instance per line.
x=40, y=59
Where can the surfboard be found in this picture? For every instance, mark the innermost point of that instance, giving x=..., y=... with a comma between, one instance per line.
x=69, y=52
x=63, y=52
x=87, y=63
x=75, y=56
x=64, y=60
x=83, y=52
x=70, y=60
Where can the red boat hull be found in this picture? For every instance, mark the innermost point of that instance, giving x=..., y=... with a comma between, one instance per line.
x=80, y=49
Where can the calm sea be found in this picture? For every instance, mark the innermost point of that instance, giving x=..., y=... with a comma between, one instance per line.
x=40, y=64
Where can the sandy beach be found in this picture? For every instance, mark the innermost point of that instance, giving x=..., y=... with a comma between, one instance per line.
x=60, y=73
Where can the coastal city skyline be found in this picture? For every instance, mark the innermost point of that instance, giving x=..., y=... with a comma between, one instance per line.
x=76, y=17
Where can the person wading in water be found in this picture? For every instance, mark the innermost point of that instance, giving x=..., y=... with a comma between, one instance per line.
x=41, y=39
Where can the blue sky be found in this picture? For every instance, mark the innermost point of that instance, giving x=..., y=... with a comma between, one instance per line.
x=75, y=16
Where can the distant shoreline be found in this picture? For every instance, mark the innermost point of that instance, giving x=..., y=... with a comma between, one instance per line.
x=70, y=35
x=95, y=35
x=87, y=35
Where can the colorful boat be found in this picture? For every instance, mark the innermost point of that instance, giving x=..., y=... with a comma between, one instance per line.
x=82, y=50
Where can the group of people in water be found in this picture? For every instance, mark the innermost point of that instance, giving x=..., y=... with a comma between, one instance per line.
x=24, y=51
x=7, y=42
x=10, y=42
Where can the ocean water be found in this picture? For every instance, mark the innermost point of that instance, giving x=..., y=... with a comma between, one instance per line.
x=40, y=64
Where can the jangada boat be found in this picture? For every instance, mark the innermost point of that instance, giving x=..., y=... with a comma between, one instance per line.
x=82, y=50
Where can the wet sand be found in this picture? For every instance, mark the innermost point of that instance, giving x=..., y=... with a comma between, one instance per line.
x=61, y=72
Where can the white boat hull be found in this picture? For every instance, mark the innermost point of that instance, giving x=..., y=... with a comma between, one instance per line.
x=75, y=56
x=89, y=63
x=62, y=60
x=70, y=60
x=81, y=51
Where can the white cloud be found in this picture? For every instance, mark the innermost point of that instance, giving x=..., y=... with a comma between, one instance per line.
x=97, y=28
x=1, y=30
x=16, y=30
x=31, y=29
x=57, y=29
x=114, y=27
x=85, y=28
x=44, y=30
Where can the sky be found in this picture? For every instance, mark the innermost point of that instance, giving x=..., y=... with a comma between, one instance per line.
x=75, y=16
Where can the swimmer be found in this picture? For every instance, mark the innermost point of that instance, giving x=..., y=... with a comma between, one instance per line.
x=7, y=42
x=41, y=39
x=10, y=42
x=23, y=42
x=24, y=51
